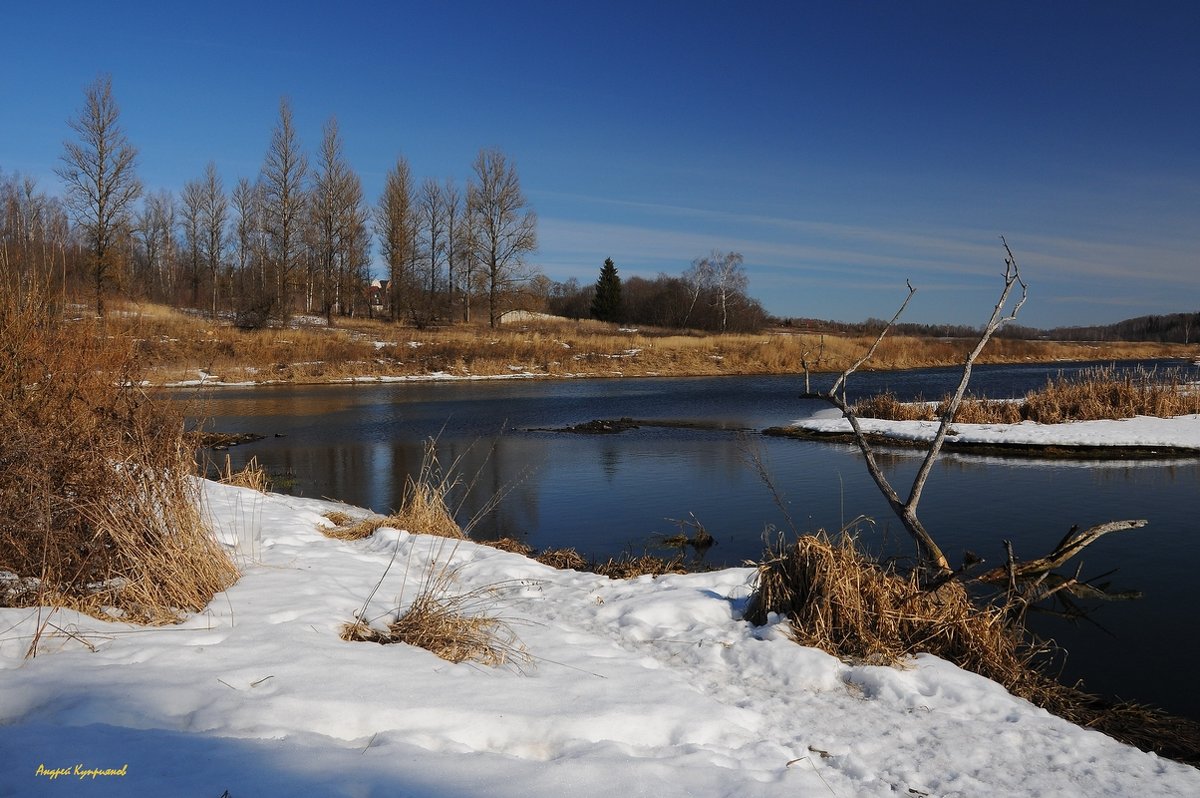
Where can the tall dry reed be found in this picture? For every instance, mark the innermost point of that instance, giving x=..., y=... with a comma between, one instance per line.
x=1100, y=393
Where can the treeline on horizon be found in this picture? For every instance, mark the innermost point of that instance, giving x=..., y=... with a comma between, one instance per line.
x=298, y=237
x=1179, y=328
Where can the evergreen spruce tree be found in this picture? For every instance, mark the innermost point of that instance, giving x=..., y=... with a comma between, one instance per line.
x=606, y=304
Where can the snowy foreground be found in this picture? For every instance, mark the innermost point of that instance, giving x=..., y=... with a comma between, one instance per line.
x=1181, y=432
x=650, y=687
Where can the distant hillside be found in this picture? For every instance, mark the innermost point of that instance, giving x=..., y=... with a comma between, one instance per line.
x=1181, y=328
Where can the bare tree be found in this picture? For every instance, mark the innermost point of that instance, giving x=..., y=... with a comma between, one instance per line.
x=721, y=273
x=214, y=216
x=339, y=223
x=433, y=237
x=192, y=222
x=456, y=241
x=283, y=175
x=504, y=228
x=156, y=229
x=394, y=219
x=1025, y=583
x=101, y=182
x=33, y=234
x=906, y=508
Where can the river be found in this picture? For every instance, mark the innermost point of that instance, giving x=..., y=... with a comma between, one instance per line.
x=605, y=494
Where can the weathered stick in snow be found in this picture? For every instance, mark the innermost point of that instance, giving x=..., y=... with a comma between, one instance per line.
x=906, y=509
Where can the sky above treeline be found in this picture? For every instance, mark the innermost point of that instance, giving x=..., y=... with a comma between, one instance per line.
x=842, y=147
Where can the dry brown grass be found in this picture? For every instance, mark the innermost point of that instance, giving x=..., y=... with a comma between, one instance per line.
x=97, y=500
x=425, y=507
x=838, y=599
x=346, y=528
x=1095, y=394
x=510, y=545
x=253, y=476
x=842, y=601
x=178, y=345
x=628, y=566
x=458, y=627
x=562, y=559
x=1110, y=393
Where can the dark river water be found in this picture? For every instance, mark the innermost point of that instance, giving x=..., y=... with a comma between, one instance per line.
x=607, y=494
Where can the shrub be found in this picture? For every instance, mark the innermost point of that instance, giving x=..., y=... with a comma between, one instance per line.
x=98, y=502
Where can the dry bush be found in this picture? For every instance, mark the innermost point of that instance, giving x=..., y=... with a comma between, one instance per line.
x=338, y=518
x=838, y=599
x=97, y=500
x=984, y=411
x=346, y=528
x=458, y=627
x=1110, y=393
x=562, y=559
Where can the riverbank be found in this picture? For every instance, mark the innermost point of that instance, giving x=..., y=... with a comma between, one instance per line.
x=645, y=686
x=182, y=349
x=1140, y=437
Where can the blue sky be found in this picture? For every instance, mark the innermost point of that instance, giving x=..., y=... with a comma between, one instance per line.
x=841, y=147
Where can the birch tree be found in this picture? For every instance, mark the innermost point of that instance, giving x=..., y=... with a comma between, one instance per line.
x=99, y=171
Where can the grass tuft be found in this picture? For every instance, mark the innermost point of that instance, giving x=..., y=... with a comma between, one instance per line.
x=458, y=627
x=253, y=476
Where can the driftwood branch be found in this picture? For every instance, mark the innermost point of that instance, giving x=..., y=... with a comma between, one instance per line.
x=1075, y=542
x=1024, y=583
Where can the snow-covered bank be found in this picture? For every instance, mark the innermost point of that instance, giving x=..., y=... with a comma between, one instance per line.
x=1181, y=433
x=644, y=687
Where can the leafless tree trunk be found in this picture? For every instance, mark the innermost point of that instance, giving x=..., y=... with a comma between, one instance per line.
x=455, y=241
x=214, y=215
x=698, y=278
x=156, y=226
x=393, y=225
x=283, y=175
x=505, y=228
x=100, y=179
x=338, y=220
x=1023, y=583
x=193, y=234
x=433, y=230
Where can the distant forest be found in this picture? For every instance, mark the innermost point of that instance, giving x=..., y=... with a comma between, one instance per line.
x=1180, y=328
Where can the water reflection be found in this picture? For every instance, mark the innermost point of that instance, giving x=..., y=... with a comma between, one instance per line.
x=604, y=494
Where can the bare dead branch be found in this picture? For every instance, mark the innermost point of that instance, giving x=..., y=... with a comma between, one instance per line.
x=1012, y=277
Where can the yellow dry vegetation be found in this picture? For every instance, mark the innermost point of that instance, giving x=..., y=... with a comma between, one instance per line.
x=179, y=346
